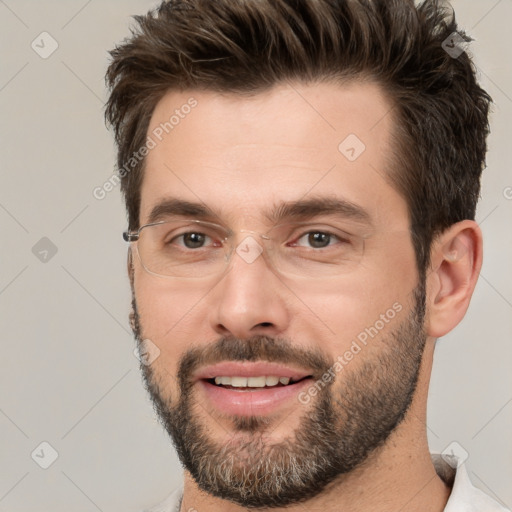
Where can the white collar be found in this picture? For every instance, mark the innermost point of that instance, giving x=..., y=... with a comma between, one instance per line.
x=465, y=497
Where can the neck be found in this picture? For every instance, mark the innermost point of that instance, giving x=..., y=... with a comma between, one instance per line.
x=397, y=476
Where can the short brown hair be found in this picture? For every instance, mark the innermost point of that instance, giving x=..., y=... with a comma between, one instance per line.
x=244, y=47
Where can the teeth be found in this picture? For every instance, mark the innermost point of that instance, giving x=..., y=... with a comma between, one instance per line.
x=251, y=382
x=269, y=381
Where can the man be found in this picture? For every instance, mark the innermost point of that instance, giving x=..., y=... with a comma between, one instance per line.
x=301, y=179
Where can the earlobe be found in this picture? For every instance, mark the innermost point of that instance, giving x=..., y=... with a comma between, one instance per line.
x=456, y=259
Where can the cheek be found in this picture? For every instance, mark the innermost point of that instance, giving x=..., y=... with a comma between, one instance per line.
x=167, y=310
x=376, y=297
x=169, y=319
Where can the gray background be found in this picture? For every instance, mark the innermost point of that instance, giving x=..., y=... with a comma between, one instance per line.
x=68, y=374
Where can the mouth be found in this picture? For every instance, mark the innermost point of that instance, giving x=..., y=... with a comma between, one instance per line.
x=240, y=398
x=246, y=388
x=254, y=383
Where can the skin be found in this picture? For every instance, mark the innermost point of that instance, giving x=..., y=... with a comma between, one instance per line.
x=239, y=156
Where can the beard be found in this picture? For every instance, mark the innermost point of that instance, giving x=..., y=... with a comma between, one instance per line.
x=343, y=426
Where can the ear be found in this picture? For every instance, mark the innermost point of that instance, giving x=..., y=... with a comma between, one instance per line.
x=456, y=260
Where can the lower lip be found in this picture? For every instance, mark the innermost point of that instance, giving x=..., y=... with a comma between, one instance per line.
x=250, y=403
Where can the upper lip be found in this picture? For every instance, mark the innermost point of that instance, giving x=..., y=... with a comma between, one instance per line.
x=247, y=369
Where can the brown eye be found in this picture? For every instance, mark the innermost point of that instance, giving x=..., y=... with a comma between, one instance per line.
x=193, y=240
x=319, y=240
x=316, y=239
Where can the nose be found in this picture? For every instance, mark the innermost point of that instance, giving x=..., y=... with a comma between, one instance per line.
x=250, y=299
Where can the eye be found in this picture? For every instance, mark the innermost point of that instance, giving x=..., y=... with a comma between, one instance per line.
x=194, y=240
x=317, y=239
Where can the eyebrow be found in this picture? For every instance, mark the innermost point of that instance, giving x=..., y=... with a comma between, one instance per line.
x=171, y=207
x=302, y=209
x=316, y=206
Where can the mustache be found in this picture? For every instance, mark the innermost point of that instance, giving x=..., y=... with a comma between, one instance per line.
x=255, y=348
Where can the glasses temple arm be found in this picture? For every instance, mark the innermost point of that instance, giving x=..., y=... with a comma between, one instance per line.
x=130, y=237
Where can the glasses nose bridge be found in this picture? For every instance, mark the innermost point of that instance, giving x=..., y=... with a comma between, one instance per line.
x=255, y=235
x=252, y=232
x=248, y=244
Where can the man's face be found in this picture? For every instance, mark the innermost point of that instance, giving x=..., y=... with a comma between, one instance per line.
x=241, y=157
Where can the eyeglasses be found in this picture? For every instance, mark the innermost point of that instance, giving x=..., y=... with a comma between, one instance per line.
x=188, y=248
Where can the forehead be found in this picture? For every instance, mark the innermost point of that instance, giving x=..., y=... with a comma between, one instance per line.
x=239, y=154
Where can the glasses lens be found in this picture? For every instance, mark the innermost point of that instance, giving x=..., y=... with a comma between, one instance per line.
x=315, y=250
x=183, y=248
x=195, y=249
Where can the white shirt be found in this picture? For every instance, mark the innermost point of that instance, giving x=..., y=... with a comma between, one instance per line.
x=465, y=497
